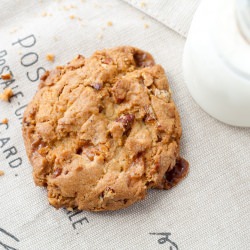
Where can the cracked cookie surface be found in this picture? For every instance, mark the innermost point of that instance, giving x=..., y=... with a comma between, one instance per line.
x=103, y=130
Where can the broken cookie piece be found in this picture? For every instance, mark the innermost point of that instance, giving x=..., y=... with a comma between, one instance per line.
x=6, y=95
x=50, y=57
x=6, y=76
x=5, y=121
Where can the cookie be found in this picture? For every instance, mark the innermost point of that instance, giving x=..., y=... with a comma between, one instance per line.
x=103, y=130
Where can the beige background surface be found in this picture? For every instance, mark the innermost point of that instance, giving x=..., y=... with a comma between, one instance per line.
x=208, y=210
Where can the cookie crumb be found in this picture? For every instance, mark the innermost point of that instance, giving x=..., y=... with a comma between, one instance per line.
x=5, y=121
x=6, y=76
x=69, y=7
x=143, y=4
x=109, y=23
x=6, y=95
x=146, y=26
x=66, y=8
x=44, y=14
x=50, y=57
x=1, y=172
x=72, y=17
x=13, y=31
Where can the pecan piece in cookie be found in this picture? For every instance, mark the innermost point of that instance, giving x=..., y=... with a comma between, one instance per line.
x=126, y=120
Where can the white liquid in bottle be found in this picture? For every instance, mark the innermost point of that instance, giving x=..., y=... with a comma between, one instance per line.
x=216, y=60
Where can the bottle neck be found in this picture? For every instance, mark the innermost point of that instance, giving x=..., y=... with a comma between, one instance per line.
x=243, y=17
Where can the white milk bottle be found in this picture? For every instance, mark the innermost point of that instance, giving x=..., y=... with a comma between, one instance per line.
x=216, y=61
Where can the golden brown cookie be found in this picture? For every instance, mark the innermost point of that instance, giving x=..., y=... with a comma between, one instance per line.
x=102, y=130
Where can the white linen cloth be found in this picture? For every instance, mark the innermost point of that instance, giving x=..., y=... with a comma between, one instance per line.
x=208, y=210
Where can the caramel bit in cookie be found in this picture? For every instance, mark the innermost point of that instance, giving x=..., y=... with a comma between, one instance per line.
x=50, y=57
x=1, y=172
x=5, y=121
x=6, y=95
x=143, y=59
x=126, y=120
x=179, y=171
x=110, y=23
x=6, y=76
x=72, y=17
